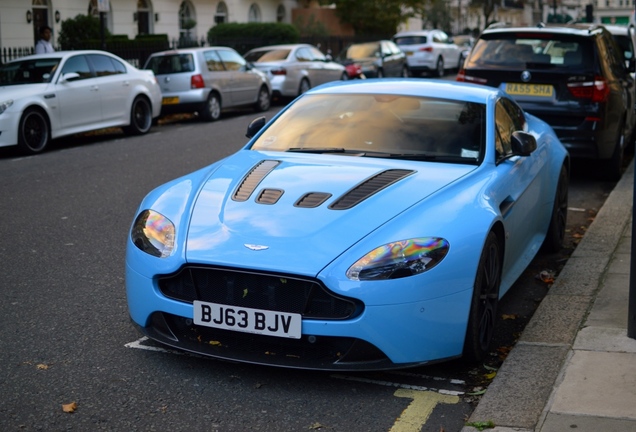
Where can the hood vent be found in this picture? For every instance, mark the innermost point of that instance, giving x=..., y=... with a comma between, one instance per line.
x=250, y=182
x=269, y=196
x=312, y=199
x=369, y=187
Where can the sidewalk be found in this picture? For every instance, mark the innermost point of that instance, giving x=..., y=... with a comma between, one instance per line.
x=574, y=367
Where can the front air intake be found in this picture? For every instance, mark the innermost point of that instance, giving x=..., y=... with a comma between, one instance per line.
x=251, y=181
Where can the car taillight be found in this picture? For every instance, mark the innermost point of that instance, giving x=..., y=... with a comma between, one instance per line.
x=596, y=91
x=279, y=71
x=427, y=49
x=196, y=81
x=462, y=77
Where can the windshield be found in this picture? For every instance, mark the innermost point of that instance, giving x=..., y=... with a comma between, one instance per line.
x=35, y=71
x=366, y=50
x=375, y=125
x=263, y=56
x=524, y=50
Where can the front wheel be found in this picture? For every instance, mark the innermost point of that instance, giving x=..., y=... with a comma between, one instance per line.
x=380, y=73
x=33, y=132
x=264, y=100
x=483, y=308
x=344, y=76
x=556, y=230
x=304, y=86
x=405, y=72
x=212, y=108
x=140, y=117
x=439, y=69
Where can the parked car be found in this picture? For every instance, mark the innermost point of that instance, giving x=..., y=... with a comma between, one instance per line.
x=572, y=76
x=465, y=44
x=48, y=96
x=429, y=51
x=294, y=69
x=625, y=37
x=208, y=80
x=372, y=224
x=377, y=59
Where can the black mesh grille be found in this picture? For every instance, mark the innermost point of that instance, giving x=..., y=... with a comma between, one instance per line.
x=280, y=293
x=369, y=187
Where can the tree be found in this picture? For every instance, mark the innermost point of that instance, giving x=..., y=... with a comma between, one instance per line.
x=376, y=17
x=488, y=7
x=76, y=31
x=436, y=15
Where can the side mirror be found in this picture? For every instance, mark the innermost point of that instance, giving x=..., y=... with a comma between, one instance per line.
x=70, y=76
x=255, y=126
x=523, y=144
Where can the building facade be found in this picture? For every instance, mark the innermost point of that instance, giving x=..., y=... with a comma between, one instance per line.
x=21, y=19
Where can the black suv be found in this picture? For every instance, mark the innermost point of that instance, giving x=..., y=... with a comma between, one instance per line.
x=572, y=76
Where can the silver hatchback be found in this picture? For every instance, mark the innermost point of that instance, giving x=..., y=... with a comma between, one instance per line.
x=207, y=80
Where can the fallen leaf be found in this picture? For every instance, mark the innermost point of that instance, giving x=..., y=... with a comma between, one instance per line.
x=258, y=385
x=42, y=366
x=215, y=343
x=490, y=375
x=509, y=316
x=477, y=392
x=490, y=368
x=69, y=408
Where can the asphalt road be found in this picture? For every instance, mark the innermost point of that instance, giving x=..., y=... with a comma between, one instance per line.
x=66, y=337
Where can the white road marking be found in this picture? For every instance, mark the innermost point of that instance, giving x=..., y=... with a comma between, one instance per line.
x=399, y=385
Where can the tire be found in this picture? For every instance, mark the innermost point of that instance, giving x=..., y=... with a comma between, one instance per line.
x=264, y=100
x=34, y=133
x=212, y=108
x=344, y=76
x=439, y=68
x=483, y=309
x=140, y=117
x=304, y=86
x=380, y=73
x=405, y=72
x=614, y=167
x=556, y=230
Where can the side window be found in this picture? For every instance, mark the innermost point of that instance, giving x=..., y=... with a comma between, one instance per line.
x=394, y=48
x=615, y=57
x=317, y=55
x=504, y=127
x=119, y=66
x=79, y=65
x=232, y=60
x=303, y=54
x=213, y=61
x=102, y=65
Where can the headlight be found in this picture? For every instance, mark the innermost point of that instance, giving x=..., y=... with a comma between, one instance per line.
x=400, y=259
x=4, y=105
x=153, y=233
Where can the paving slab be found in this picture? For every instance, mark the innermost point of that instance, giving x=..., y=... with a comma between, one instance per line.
x=605, y=339
x=557, y=319
x=563, y=422
x=599, y=384
x=580, y=276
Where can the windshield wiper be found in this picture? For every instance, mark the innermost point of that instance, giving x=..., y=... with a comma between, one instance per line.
x=408, y=156
x=317, y=150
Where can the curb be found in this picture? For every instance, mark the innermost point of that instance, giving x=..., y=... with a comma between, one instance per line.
x=518, y=396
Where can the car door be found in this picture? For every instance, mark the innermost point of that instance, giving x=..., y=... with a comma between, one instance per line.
x=113, y=86
x=519, y=196
x=244, y=84
x=78, y=97
x=216, y=76
x=307, y=62
x=322, y=72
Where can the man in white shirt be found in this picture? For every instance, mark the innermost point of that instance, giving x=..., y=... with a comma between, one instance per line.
x=44, y=44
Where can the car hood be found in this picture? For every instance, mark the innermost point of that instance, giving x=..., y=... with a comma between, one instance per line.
x=21, y=91
x=299, y=212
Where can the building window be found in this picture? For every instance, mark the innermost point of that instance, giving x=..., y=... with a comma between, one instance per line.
x=280, y=13
x=221, y=13
x=187, y=20
x=254, y=14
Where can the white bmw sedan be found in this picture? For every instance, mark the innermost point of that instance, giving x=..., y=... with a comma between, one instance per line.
x=48, y=96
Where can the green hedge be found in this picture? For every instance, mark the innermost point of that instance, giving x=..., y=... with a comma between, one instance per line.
x=245, y=36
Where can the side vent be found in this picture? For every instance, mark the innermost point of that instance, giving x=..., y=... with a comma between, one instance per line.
x=269, y=196
x=250, y=182
x=369, y=187
x=312, y=199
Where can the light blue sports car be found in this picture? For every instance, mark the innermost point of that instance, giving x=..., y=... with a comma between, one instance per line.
x=370, y=225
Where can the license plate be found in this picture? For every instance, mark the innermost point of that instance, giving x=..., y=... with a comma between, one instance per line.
x=170, y=100
x=248, y=320
x=409, y=53
x=540, y=90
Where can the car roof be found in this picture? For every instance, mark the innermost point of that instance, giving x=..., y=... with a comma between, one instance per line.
x=414, y=32
x=580, y=29
x=281, y=46
x=58, y=54
x=414, y=87
x=190, y=50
